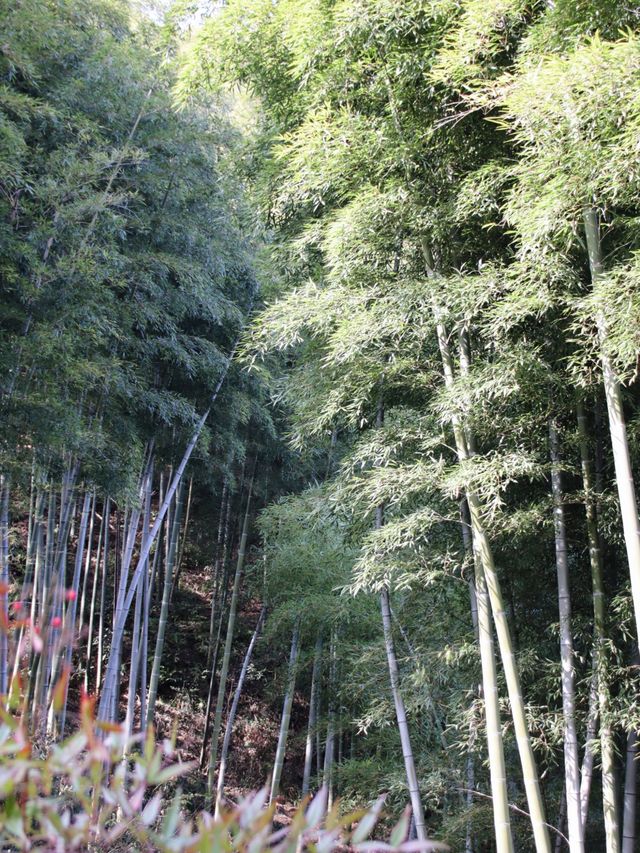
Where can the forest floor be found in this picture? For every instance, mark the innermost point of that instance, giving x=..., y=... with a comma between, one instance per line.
x=182, y=699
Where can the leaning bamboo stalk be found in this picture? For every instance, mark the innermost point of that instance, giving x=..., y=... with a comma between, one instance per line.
x=92, y=604
x=38, y=605
x=109, y=698
x=488, y=689
x=87, y=564
x=29, y=585
x=329, y=742
x=158, y=551
x=223, y=531
x=136, y=641
x=212, y=674
x=176, y=575
x=401, y=718
x=112, y=673
x=35, y=533
x=146, y=611
x=103, y=585
x=224, y=752
x=164, y=608
x=394, y=678
x=53, y=604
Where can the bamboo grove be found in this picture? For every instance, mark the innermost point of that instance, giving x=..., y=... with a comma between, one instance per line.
x=320, y=333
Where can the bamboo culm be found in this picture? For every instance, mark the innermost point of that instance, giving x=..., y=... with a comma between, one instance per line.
x=329, y=747
x=4, y=584
x=105, y=709
x=394, y=678
x=571, y=756
x=481, y=610
x=178, y=560
x=630, y=795
x=212, y=674
x=70, y=615
x=617, y=425
x=137, y=634
x=103, y=584
x=285, y=719
x=224, y=671
x=607, y=746
x=216, y=568
x=482, y=549
x=224, y=752
x=164, y=607
x=313, y=704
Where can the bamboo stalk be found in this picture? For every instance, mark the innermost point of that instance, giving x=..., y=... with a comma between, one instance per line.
x=483, y=550
x=571, y=757
x=105, y=709
x=4, y=585
x=394, y=677
x=481, y=615
x=630, y=794
x=313, y=708
x=285, y=718
x=164, y=608
x=222, y=683
x=224, y=752
x=617, y=425
x=609, y=798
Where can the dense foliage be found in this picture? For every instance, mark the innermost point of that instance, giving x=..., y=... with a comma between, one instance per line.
x=326, y=311
x=451, y=192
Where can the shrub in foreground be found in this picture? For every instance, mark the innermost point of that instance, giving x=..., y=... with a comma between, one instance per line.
x=83, y=795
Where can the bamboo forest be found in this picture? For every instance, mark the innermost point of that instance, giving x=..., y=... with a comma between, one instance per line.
x=320, y=426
